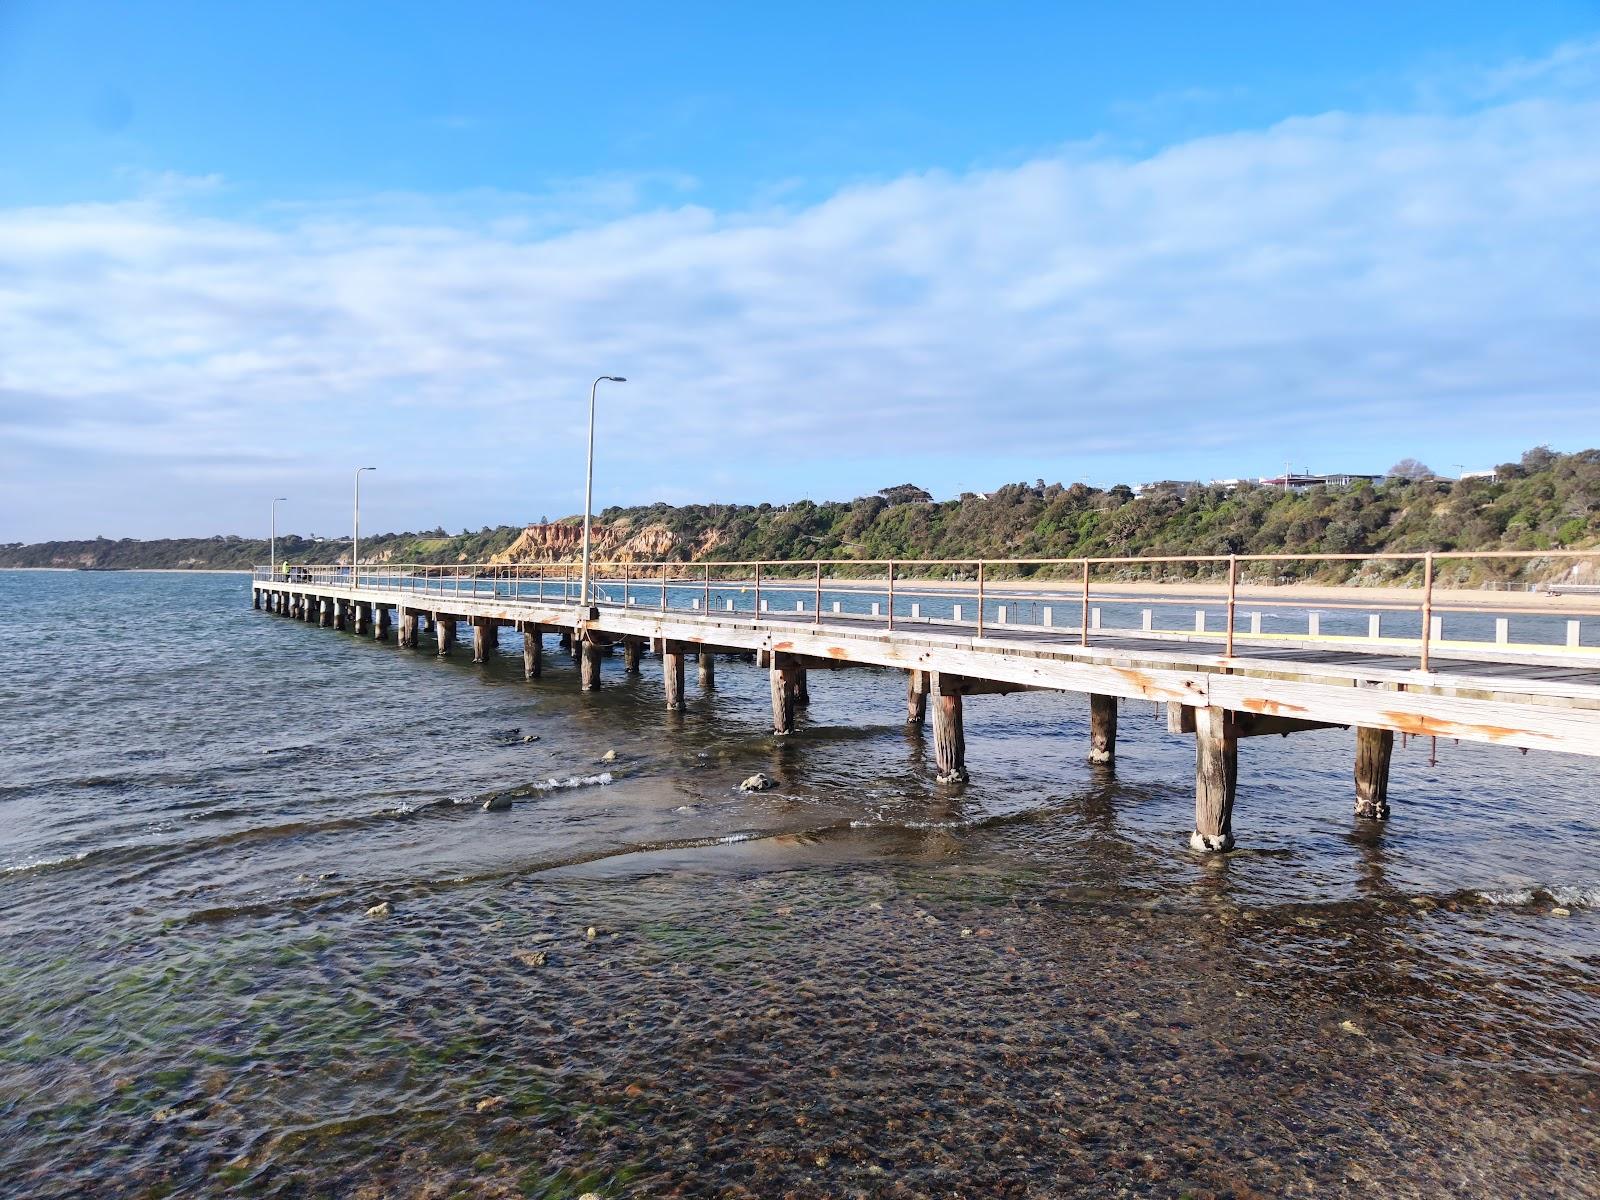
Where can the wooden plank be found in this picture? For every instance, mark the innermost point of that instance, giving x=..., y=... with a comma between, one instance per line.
x=1539, y=727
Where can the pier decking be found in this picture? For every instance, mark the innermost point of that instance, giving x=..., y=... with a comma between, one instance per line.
x=1222, y=680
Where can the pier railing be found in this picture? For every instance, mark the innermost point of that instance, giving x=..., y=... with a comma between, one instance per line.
x=1078, y=599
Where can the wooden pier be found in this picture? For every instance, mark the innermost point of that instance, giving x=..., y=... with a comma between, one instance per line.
x=956, y=640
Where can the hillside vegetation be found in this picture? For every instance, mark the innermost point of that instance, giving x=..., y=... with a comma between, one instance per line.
x=1543, y=501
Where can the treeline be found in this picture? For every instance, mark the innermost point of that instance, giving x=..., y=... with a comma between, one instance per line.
x=1543, y=501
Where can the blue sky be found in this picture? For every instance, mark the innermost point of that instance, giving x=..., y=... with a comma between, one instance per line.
x=246, y=248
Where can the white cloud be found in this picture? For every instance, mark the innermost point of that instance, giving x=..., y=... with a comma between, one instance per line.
x=1241, y=292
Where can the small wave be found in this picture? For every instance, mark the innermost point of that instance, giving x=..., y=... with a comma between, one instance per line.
x=1513, y=897
x=1568, y=895
x=45, y=864
x=919, y=826
x=575, y=781
x=1580, y=896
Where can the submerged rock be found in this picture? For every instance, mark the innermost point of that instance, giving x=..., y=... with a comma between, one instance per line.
x=530, y=958
x=380, y=909
x=758, y=783
x=497, y=804
x=530, y=737
x=609, y=756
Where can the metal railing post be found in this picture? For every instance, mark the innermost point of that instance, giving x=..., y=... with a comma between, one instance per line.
x=706, y=600
x=663, y=589
x=1427, y=605
x=758, y=591
x=817, y=619
x=891, y=595
x=1083, y=634
x=980, y=598
x=1233, y=597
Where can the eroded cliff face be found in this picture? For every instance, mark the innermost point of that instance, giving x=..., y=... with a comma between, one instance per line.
x=616, y=541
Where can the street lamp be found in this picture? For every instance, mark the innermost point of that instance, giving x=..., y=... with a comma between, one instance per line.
x=272, y=572
x=588, y=487
x=355, y=538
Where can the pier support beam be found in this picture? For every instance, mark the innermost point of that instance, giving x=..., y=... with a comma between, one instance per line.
x=363, y=618
x=785, y=675
x=589, y=662
x=672, y=673
x=255, y=599
x=949, y=735
x=632, y=652
x=1216, y=772
x=916, y=698
x=1374, y=747
x=708, y=669
x=485, y=638
x=566, y=640
x=1102, y=728
x=802, y=688
x=410, y=628
x=380, y=625
x=445, y=628
x=326, y=614
x=532, y=651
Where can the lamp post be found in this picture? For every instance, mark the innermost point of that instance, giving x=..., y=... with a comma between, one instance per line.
x=272, y=571
x=355, y=537
x=588, y=489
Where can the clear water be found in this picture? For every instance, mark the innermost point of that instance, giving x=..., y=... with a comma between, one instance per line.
x=860, y=983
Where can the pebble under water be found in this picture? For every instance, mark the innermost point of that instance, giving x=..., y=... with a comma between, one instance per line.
x=639, y=981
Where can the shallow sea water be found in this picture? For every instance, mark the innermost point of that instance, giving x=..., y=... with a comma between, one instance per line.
x=861, y=983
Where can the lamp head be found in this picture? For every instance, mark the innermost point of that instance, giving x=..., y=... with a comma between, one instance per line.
x=616, y=379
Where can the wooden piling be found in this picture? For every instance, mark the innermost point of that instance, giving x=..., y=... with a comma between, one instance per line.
x=632, y=652
x=1374, y=747
x=363, y=618
x=566, y=640
x=485, y=638
x=532, y=651
x=380, y=626
x=1216, y=773
x=445, y=629
x=1102, y=728
x=802, y=688
x=784, y=675
x=949, y=735
x=672, y=673
x=708, y=669
x=326, y=617
x=916, y=698
x=255, y=599
x=410, y=628
x=589, y=663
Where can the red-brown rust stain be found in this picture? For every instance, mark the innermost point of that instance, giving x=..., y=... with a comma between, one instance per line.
x=1271, y=708
x=1417, y=724
x=837, y=652
x=1138, y=679
x=782, y=646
